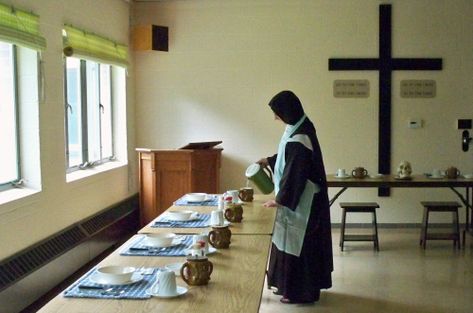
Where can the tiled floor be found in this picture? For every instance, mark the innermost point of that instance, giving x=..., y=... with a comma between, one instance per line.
x=400, y=278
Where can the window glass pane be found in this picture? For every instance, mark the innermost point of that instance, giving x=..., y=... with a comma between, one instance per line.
x=93, y=111
x=8, y=134
x=106, y=113
x=74, y=112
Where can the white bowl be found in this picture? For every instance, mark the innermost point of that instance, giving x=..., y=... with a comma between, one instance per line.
x=196, y=197
x=115, y=274
x=468, y=176
x=175, y=267
x=160, y=240
x=179, y=215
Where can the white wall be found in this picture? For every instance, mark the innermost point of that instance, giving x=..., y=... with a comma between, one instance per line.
x=60, y=204
x=228, y=58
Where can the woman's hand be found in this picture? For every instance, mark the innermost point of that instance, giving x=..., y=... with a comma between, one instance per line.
x=263, y=162
x=270, y=204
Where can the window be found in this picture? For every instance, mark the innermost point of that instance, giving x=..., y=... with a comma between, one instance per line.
x=89, y=127
x=95, y=101
x=9, y=157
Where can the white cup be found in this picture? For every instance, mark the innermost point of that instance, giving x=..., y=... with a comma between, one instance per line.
x=436, y=172
x=220, y=203
x=233, y=194
x=165, y=284
x=341, y=172
x=216, y=218
x=202, y=239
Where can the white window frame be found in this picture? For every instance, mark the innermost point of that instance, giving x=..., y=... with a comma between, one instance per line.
x=16, y=180
x=87, y=124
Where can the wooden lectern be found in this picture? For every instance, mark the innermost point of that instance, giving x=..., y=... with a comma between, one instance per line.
x=167, y=175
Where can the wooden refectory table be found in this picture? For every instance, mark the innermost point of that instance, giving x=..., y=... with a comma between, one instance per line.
x=416, y=181
x=236, y=284
x=257, y=220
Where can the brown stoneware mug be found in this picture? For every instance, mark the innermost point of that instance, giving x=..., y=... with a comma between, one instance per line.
x=246, y=194
x=452, y=172
x=234, y=213
x=196, y=271
x=219, y=237
x=359, y=172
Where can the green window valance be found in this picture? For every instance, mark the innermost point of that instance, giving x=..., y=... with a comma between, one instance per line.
x=20, y=27
x=82, y=44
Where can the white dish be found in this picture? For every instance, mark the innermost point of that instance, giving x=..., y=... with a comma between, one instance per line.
x=342, y=177
x=98, y=279
x=196, y=197
x=160, y=240
x=179, y=292
x=174, y=242
x=468, y=176
x=212, y=250
x=376, y=176
x=176, y=215
x=175, y=267
x=115, y=274
x=189, y=216
x=225, y=224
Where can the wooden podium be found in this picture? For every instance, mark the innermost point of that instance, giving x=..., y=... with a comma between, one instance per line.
x=166, y=175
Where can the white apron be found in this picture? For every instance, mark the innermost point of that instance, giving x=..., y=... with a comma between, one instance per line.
x=291, y=225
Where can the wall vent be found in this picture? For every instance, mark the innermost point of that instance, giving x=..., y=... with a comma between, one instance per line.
x=25, y=262
x=108, y=216
x=34, y=257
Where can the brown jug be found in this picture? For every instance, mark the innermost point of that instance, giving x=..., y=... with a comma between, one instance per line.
x=234, y=213
x=359, y=172
x=196, y=271
x=219, y=237
x=246, y=194
x=452, y=172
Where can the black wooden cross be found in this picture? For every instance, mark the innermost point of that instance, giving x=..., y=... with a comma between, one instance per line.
x=385, y=64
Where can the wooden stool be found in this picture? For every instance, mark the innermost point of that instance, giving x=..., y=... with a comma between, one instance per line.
x=440, y=206
x=359, y=207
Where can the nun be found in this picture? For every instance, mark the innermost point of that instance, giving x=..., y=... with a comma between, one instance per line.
x=301, y=260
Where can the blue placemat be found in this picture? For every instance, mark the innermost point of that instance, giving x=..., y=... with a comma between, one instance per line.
x=139, y=248
x=212, y=200
x=202, y=220
x=84, y=288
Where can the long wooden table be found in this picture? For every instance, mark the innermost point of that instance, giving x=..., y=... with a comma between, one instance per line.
x=236, y=283
x=417, y=181
x=257, y=220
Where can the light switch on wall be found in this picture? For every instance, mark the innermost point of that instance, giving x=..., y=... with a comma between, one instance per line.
x=415, y=123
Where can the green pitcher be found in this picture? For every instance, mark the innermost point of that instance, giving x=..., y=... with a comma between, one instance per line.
x=261, y=177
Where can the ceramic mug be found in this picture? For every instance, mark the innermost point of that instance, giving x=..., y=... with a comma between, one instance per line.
x=234, y=213
x=202, y=240
x=233, y=194
x=452, y=172
x=216, y=218
x=359, y=172
x=165, y=284
x=196, y=271
x=341, y=172
x=221, y=204
x=436, y=173
x=246, y=194
x=219, y=237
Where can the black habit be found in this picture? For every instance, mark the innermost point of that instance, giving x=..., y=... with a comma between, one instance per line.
x=299, y=279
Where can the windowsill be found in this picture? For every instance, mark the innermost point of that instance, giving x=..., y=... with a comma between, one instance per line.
x=16, y=193
x=80, y=174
